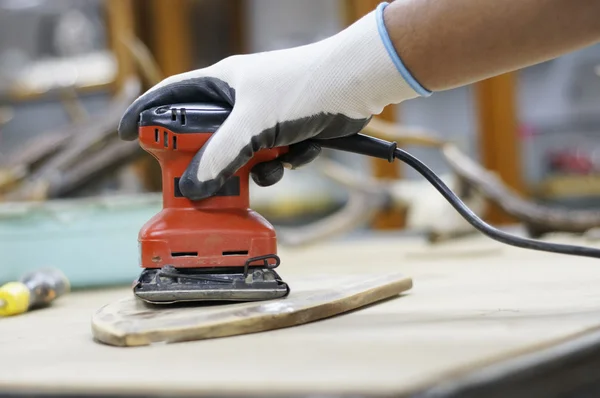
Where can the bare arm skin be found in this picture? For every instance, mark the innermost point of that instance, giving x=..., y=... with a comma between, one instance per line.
x=451, y=43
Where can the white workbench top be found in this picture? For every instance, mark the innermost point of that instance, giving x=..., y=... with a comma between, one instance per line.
x=474, y=302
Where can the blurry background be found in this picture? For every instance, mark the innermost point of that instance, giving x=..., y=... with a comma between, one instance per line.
x=69, y=68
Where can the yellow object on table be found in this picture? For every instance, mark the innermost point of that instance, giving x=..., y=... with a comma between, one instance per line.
x=14, y=298
x=35, y=289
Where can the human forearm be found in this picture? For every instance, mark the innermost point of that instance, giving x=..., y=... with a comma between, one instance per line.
x=451, y=43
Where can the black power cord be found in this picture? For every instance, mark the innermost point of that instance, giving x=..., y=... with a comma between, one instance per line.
x=375, y=147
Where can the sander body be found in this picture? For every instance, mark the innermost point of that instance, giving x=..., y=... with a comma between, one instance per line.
x=214, y=249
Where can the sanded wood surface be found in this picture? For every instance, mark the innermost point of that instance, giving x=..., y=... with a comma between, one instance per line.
x=132, y=322
x=473, y=303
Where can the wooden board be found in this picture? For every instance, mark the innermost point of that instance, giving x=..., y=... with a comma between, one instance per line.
x=132, y=322
x=475, y=304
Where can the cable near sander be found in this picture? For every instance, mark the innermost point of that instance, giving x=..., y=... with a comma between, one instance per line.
x=218, y=249
x=374, y=147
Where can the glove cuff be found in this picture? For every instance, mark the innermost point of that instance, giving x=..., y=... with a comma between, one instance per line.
x=387, y=42
x=363, y=69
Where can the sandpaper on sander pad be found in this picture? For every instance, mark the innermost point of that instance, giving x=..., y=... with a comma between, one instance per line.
x=132, y=322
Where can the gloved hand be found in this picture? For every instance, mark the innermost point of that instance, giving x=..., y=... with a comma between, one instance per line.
x=326, y=89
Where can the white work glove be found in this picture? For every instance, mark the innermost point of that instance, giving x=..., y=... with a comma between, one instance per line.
x=323, y=90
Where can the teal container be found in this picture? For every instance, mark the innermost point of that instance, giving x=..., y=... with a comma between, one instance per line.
x=92, y=240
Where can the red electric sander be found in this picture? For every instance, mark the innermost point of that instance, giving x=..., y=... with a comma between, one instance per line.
x=215, y=249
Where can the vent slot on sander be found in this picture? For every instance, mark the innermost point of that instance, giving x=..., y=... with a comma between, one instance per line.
x=236, y=253
x=184, y=254
x=195, y=254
